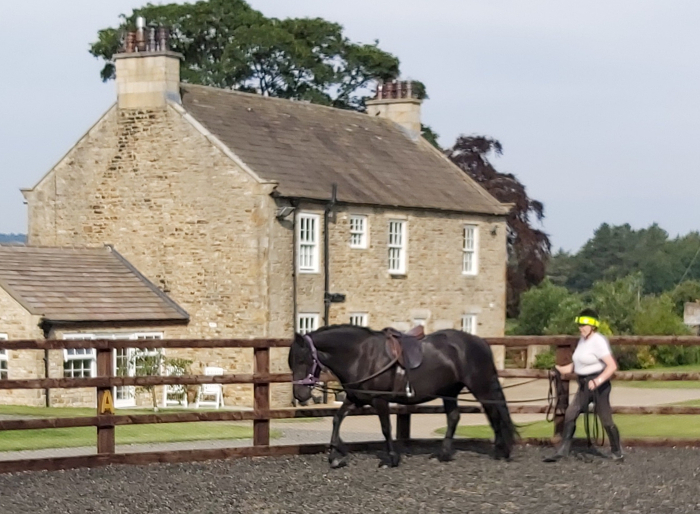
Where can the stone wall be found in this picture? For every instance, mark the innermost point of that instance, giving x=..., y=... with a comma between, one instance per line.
x=433, y=289
x=17, y=323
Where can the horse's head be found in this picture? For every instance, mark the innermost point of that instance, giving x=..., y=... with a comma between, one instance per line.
x=305, y=367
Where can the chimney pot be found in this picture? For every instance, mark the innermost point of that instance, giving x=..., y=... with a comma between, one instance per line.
x=163, y=39
x=398, y=102
x=130, y=44
x=151, y=39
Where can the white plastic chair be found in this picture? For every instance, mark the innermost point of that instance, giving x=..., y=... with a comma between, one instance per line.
x=174, y=394
x=211, y=394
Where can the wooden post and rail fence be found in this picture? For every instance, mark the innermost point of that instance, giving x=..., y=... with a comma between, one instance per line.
x=107, y=419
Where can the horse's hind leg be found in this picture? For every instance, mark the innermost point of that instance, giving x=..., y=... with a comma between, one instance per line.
x=336, y=458
x=382, y=407
x=496, y=409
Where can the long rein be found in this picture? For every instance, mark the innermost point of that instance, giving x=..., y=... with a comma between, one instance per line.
x=312, y=380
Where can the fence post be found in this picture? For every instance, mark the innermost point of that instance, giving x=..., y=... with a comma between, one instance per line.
x=105, y=402
x=261, y=393
x=403, y=427
x=562, y=358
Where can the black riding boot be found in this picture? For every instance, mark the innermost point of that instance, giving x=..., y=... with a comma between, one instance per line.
x=567, y=437
x=615, y=447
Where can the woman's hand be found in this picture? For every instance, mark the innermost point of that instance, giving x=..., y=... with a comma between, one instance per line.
x=593, y=384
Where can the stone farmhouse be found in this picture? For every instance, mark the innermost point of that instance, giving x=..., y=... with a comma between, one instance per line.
x=259, y=216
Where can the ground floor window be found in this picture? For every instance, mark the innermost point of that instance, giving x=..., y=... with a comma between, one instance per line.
x=359, y=319
x=469, y=323
x=82, y=362
x=79, y=362
x=307, y=322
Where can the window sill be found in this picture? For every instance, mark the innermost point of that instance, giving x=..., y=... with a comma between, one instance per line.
x=398, y=275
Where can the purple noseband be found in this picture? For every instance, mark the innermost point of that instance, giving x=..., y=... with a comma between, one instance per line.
x=312, y=378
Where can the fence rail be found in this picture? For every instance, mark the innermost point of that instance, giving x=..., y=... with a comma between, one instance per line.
x=261, y=414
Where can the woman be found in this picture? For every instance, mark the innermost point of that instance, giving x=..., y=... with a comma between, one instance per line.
x=594, y=364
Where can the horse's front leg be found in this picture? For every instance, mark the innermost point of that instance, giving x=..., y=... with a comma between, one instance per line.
x=336, y=458
x=382, y=407
x=452, y=412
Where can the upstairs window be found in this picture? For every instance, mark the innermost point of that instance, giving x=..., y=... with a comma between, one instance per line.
x=359, y=319
x=358, y=231
x=470, y=245
x=397, y=247
x=469, y=324
x=308, y=242
x=307, y=322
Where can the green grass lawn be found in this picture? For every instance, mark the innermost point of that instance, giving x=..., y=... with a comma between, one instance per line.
x=13, y=440
x=630, y=425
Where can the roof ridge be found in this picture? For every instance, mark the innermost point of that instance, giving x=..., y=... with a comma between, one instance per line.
x=277, y=99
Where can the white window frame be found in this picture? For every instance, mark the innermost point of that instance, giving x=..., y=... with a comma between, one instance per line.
x=124, y=396
x=307, y=322
x=359, y=319
x=141, y=336
x=82, y=355
x=359, y=225
x=3, y=359
x=397, y=244
x=469, y=323
x=308, y=242
x=470, y=249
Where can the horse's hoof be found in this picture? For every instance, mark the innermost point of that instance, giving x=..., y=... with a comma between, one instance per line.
x=445, y=457
x=338, y=463
x=394, y=459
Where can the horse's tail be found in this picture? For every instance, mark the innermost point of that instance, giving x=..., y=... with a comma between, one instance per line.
x=500, y=418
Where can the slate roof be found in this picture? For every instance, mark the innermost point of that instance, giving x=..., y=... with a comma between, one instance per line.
x=307, y=147
x=82, y=284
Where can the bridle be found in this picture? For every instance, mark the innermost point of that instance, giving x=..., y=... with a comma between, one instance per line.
x=312, y=378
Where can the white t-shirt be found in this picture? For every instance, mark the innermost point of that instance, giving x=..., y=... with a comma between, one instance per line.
x=589, y=353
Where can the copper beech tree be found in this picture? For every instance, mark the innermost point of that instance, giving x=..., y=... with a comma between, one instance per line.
x=528, y=247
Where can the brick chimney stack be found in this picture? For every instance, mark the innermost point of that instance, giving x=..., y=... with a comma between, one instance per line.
x=148, y=72
x=397, y=101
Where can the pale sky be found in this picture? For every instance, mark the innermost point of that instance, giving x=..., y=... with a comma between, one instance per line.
x=596, y=103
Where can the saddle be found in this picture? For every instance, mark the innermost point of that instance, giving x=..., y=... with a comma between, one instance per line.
x=406, y=347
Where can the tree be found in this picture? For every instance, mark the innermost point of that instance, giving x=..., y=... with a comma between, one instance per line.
x=542, y=305
x=227, y=44
x=686, y=291
x=528, y=247
x=617, y=251
x=618, y=302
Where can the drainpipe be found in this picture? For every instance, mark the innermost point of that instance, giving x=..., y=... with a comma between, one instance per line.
x=326, y=255
x=295, y=240
x=46, y=328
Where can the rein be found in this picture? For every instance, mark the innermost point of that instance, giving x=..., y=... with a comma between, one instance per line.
x=312, y=380
x=554, y=395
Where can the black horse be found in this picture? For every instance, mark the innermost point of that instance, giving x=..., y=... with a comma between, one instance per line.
x=370, y=375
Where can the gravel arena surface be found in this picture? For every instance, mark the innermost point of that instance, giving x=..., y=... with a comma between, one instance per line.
x=656, y=480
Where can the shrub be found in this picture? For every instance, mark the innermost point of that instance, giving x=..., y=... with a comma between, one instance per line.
x=545, y=360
